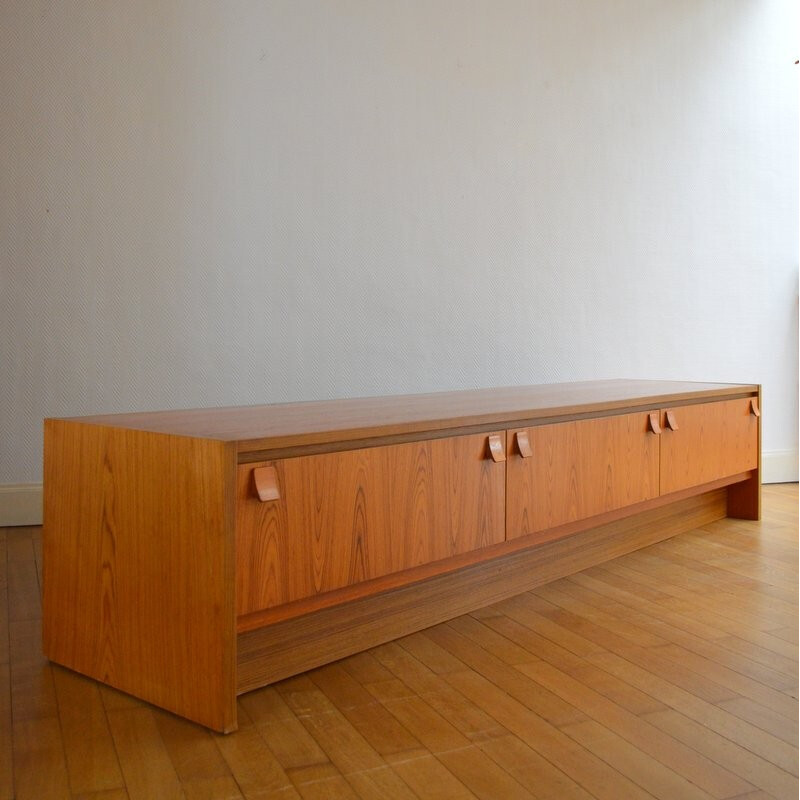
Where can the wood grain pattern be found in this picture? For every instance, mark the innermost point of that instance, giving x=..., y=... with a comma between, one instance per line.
x=714, y=440
x=581, y=469
x=138, y=565
x=270, y=427
x=286, y=648
x=345, y=518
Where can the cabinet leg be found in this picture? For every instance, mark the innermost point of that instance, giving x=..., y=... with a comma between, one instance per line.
x=744, y=499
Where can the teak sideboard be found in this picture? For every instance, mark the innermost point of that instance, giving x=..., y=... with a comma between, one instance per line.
x=191, y=556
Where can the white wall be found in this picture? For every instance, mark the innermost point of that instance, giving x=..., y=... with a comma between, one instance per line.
x=209, y=203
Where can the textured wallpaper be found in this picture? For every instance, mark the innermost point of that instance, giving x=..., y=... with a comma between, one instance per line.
x=208, y=203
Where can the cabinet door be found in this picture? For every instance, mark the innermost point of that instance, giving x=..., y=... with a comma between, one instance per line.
x=346, y=517
x=711, y=441
x=579, y=469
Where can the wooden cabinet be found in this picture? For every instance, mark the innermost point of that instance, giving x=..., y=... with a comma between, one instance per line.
x=190, y=556
x=570, y=471
x=707, y=441
x=344, y=518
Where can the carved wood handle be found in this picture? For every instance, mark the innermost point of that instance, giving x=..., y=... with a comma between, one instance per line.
x=524, y=444
x=672, y=422
x=754, y=407
x=496, y=448
x=654, y=423
x=266, y=481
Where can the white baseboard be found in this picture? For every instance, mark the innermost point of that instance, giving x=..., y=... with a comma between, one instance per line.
x=21, y=504
x=779, y=466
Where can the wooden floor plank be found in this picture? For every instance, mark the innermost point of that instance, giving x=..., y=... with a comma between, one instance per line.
x=40, y=769
x=194, y=754
x=222, y=787
x=659, y=747
x=764, y=744
x=612, y=688
x=761, y=655
x=4, y=643
x=24, y=596
x=483, y=776
x=788, y=634
x=6, y=736
x=609, y=616
x=33, y=693
x=285, y=736
x=538, y=646
x=712, y=551
x=107, y=794
x=648, y=773
x=601, y=582
x=723, y=751
x=326, y=789
x=541, y=778
x=588, y=771
x=752, y=712
x=344, y=746
x=427, y=777
x=145, y=764
x=674, y=657
x=667, y=565
x=725, y=610
x=519, y=609
x=476, y=725
x=380, y=784
x=379, y=728
x=436, y=658
x=747, y=540
x=91, y=757
x=605, y=583
x=544, y=703
x=255, y=769
x=365, y=668
x=700, y=644
x=781, y=577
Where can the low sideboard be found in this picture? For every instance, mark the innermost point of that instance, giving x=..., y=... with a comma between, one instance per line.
x=191, y=556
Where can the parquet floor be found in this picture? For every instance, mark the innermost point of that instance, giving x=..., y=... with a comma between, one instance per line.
x=668, y=673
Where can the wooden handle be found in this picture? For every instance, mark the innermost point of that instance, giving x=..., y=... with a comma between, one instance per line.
x=754, y=407
x=496, y=448
x=654, y=423
x=266, y=481
x=524, y=444
x=672, y=422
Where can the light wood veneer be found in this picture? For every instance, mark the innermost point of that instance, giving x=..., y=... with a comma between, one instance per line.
x=192, y=555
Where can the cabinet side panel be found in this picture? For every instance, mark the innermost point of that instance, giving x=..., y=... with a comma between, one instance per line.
x=138, y=565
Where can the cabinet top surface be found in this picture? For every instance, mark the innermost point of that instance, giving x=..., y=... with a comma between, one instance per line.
x=265, y=427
